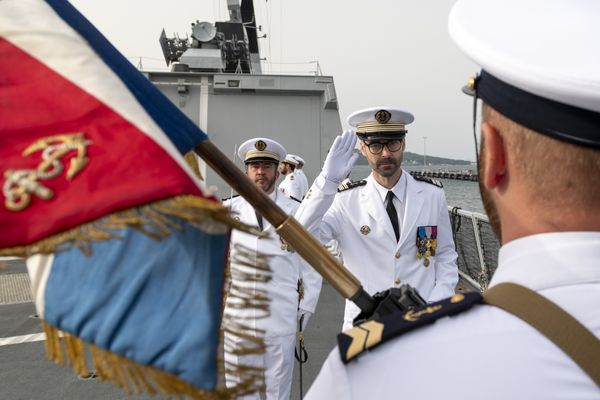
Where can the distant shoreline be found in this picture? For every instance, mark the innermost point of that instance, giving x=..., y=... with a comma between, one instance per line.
x=418, y=160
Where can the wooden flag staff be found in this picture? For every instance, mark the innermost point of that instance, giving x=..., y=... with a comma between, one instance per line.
x=288, y=228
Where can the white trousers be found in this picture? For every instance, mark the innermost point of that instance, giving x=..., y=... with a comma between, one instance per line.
x=278, y=364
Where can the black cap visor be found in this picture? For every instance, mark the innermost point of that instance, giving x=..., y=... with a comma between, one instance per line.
x=551, y=118
x=382, y=135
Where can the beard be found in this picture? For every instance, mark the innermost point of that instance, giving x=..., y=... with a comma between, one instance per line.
x=387, y=167
x=486, y=198
x=265, y=183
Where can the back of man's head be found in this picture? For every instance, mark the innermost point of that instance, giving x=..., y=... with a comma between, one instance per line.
x=540, y=86
x=559, y=178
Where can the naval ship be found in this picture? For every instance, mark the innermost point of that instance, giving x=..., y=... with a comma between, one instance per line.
x=215, y=78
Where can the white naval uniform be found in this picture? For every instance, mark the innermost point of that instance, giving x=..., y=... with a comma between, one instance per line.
x=358, y=220
x=280, y=327
x=485, y=352
x=291, y=186
x=303, y=182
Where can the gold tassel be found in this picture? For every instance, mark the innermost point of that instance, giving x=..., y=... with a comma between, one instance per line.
x=119, y=376
x=191, y=160
x=250, y=267
x=139, y=374
x=133, y=380
x=53, y=347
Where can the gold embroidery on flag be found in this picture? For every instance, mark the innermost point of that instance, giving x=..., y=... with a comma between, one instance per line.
x=20, y=185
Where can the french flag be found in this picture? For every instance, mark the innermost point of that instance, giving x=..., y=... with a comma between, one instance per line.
x=126, y=251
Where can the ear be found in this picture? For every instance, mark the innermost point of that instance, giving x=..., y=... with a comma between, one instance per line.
x=363, y=148
x=493, y=151
x=276, y=174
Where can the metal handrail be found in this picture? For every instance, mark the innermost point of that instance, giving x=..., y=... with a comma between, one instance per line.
x=476, y=219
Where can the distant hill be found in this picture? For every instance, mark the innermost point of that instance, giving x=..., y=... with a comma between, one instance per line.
x=417, y=159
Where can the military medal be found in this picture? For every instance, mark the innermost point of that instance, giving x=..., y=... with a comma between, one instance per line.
x=426, y=243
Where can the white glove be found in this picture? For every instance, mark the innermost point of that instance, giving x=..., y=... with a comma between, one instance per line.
x=303, y=317
x=340, y=158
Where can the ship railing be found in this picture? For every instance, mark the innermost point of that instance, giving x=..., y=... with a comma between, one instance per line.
x=476, y=245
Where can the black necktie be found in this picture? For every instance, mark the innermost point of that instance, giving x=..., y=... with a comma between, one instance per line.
x=391, y=210
x=259, y=219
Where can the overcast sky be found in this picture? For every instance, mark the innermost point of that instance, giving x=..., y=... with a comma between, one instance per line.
x=382, y=52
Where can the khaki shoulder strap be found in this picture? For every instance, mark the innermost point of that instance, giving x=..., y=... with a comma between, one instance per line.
x=552, y=321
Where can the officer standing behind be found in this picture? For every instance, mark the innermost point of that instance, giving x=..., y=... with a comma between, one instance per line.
x=300, y=174
x=539, y=178
x=290, y=186
x=391, y=228
x=261, y=157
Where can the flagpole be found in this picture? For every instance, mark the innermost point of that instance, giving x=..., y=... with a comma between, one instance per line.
x=288, y=228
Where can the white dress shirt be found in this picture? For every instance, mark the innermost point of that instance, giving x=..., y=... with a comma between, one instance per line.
x=399, y=200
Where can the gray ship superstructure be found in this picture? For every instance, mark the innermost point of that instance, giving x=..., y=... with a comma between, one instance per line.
x=217, y=81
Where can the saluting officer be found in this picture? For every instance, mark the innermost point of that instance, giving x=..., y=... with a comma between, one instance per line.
x=261, y=157
x=392, y=229
x=537, y=336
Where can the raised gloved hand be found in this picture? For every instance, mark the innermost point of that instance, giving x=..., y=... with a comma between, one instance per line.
x=340, y=158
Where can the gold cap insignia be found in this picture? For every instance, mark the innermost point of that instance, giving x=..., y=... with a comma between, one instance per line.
x=365, y=230
x=471, y=83
x=383, y=116
x=260, y=145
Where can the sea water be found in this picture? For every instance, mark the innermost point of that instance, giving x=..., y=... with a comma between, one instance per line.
x=463, y=194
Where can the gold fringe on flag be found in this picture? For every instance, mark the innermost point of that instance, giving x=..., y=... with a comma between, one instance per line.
x=248, y=274
x=130, y=376
x=152, y=219
x=86, y=359
x=192, y=161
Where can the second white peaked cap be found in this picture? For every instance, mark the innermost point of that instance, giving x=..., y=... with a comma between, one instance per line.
x=298, y=159
x=550, y=48
x=261, y=149
x=380, y=122
x=290, y=159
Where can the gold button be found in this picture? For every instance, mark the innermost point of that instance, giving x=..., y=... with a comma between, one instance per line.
x=397, y=281
x=397, y=255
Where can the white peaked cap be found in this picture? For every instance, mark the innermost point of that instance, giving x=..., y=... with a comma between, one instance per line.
x=261, y=149
x=380, y=122
x=290, y=159
x=298, y=159
x=548, y=48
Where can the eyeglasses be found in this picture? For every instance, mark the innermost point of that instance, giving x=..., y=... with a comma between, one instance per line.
x=377, y=147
